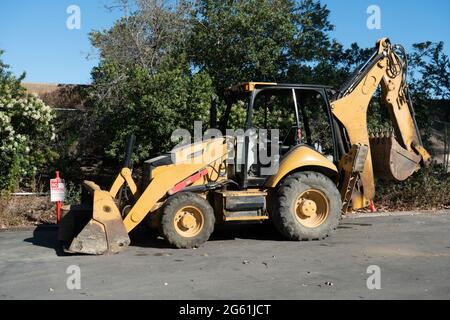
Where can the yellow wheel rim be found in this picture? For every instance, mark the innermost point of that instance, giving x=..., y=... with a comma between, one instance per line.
x=188, y=221
x=312, y=208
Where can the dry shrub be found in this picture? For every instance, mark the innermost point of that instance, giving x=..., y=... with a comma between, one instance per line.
x=25, y=211
x=428, y=189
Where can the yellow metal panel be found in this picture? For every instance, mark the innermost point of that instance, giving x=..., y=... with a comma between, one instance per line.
x=104, y=208
x=250, y=86
x=351, y=111
x=166, y=177
x=300, y=157
x=91, y=186
x=125, y=175
x=399, y=109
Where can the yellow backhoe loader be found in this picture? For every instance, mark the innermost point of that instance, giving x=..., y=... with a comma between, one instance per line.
x=320, y=163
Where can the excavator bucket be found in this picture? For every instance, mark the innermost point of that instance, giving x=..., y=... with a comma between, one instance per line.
x=96, y=229
x=390, y=160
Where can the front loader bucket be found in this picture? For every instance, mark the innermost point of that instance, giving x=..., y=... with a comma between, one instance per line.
x=98, y=229
x=390, y=160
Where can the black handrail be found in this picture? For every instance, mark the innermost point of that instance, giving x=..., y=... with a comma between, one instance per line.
x=130, y=146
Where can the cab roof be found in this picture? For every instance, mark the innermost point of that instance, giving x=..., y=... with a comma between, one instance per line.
x=247, y=87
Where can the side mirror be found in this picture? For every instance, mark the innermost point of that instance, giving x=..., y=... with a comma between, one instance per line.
x=213, y=113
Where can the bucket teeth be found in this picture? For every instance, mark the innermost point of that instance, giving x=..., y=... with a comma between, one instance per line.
x=373, y=137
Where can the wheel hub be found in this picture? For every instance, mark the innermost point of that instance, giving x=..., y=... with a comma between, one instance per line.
x=188, y=221
x=308, y=208
x=312, y=208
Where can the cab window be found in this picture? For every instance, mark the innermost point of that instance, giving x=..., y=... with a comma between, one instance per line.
x=275, y=109
x=314, y=119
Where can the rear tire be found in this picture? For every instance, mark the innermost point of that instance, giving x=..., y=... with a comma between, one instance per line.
x=187, y=220
x=307, y=206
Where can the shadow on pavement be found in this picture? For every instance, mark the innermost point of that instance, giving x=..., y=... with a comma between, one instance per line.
x=47, y=236
x=147, y=238
x=250, y=231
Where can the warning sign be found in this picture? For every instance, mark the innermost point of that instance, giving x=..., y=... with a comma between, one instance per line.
x=57, y=190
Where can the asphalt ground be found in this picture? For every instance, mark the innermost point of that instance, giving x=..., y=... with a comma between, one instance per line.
x=408, y=253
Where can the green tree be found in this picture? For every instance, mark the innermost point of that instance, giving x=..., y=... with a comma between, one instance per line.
x=429, y=81
x=26, y=133
x=431, y=70
x=144, y=38
x=151, y=107
x=257, y=40
x=144, y=84
x=9, y=84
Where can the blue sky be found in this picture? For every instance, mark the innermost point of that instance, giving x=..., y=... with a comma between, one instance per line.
x=34, y=35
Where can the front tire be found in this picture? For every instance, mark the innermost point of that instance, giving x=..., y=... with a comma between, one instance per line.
x=187, y=220
x=307, y=206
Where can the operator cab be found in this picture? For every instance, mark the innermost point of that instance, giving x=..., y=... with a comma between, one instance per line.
x=279, y=118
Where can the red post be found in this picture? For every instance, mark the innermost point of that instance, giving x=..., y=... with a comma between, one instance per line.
x=372, y=207
x=58, y=204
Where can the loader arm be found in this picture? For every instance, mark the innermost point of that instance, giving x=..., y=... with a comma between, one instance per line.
x=188, y=161
x=399, y=155
x=106, y=231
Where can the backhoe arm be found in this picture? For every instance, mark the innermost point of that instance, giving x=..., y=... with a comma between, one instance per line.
x=393, y=156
